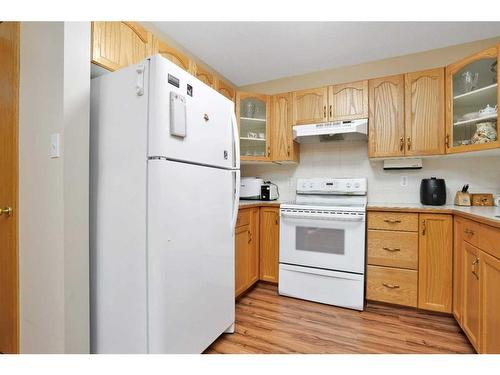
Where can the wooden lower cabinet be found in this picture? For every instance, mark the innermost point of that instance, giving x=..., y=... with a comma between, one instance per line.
x=410, y=259
x=435, y=260
x=392, y=285
x=458, y=262
x=241, y=239
x=476, y=281
x=470, y=318
x=490, y=303
x=256, y=247
x=269, y=243
x=247, y=251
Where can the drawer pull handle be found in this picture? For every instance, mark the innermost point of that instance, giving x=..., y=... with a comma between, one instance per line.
x=390, y=221
x=391, y=286
x=392, y=249
x=469, y=231
x=474, y=270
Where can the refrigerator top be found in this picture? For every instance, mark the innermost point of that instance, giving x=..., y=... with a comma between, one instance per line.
x=188, y=121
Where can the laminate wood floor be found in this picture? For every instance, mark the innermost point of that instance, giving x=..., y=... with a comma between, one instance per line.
x=269, y=323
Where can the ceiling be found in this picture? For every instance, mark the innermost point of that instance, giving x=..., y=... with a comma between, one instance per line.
x=251, y=52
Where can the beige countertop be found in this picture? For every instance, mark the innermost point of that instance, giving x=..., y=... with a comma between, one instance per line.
x=487, y=215
x=256, y=203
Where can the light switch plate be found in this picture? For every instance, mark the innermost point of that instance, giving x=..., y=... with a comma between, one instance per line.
x=55, y=145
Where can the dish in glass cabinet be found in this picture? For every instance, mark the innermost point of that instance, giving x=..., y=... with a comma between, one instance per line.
x=485, y=133
x=470, y=116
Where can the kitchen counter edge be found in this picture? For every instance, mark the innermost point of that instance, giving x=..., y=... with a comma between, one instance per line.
x=485, y=215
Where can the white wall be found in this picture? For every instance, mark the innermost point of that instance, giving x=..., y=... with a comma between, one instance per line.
x=342, y=159
x=53, y=193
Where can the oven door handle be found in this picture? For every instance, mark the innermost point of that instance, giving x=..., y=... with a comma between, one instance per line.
x=327, y=218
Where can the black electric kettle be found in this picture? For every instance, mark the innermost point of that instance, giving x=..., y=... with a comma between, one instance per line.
x=433, y=191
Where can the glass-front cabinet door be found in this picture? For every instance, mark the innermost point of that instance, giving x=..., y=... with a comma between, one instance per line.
x=253, y=112
x=472, y=101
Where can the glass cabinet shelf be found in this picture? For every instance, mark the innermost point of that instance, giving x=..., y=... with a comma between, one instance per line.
x=252, y=139
x=253, y=119
x=475, y=120
x=484, y=93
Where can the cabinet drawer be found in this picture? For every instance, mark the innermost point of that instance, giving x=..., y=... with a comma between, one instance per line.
x=393, y=249
x=470, y=232
x=393, y=221
x=243, y=217
x=489, y=240
x=392, y=285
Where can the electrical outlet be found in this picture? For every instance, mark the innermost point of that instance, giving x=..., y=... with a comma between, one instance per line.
x=404, y=181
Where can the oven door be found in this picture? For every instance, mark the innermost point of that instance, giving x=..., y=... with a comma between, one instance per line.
x=323, y=242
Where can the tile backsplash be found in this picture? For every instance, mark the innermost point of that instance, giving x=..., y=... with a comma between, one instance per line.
x=350, y=159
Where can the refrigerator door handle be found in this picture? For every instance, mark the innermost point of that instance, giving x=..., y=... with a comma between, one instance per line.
x=236, y=198
x=236, y=143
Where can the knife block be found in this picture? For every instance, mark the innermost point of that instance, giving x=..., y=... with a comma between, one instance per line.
x=462, y=199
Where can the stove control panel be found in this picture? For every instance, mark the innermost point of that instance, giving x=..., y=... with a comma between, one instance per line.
x=339, y=186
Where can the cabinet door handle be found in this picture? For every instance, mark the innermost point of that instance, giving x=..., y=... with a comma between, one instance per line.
x=331, y=110
x=391, y=221
x=391, y=249
x=249, y=236
x=474, y=270
x=391, y=286
x=447, y=141
x=268, y=151
x=277, y=219
x=324, y=111
x=408, y=142
x=423, y=227
x=288, y=150
x=469, y=231
x=401, y=144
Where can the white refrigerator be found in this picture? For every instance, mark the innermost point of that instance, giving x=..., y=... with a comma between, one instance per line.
x=164, y=199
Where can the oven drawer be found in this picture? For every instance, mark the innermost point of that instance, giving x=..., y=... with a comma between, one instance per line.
x=324, y=286
x=393, y=249
x=393, y=221
x=391, y=285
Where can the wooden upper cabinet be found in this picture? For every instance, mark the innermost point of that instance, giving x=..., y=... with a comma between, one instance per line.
x=282, y=144
x=225, y=89
x=348, y=101
x=253, y=114
x=174, y=55
x=489, y=277
x=471, y=87
x=118, y=44
x=310, y=106
x=424, y=112
x=435, y=262
x=386, y=134
x=471, y=292
x=204, y=75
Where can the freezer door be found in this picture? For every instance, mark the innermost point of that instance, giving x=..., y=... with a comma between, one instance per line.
x=190, y=255
x=188, y=120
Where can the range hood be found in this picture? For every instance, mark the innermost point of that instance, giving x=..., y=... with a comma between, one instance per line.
x=354, y=130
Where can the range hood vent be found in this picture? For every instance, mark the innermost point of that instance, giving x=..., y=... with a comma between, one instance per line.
x=355, y=130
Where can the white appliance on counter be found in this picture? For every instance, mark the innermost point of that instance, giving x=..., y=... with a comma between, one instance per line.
x=251, y=188
x=322, y=242
x=354, y=130
x=164, y=200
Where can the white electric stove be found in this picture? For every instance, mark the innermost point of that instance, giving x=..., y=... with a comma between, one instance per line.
x=322, y=242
